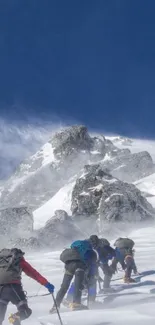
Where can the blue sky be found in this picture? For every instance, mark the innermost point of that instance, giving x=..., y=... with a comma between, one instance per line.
x=84, y=60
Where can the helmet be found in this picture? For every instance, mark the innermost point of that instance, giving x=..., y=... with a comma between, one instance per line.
x=104, y=242
x=94, y=241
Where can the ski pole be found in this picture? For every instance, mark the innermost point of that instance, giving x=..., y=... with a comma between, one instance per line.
x=61, y=322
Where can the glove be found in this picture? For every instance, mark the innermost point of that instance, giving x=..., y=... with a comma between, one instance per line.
x=50, y=287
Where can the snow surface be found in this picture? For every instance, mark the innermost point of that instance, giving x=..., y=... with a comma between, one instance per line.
x=151, y=200
x=48, y=154
x=114, y=194
x=45, y=154
x=134, y=309
x=136, y=145
x=147, y=184
x=61, y=200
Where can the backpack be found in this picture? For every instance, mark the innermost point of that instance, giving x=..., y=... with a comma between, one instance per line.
x=82, y=246
x=10, y=269
x=69, y=255
x=124, y=243
x=10, y=258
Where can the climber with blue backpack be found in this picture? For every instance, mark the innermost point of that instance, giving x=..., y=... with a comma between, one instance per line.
x=89, y=282
x=77, y=260
x=103, y=253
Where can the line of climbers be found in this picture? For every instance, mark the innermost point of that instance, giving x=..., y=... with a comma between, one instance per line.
x=82, y=262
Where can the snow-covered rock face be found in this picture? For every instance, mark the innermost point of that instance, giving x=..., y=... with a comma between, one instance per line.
x=123, y=141
x=53, y=179
x=43, y=174
x=124, y=202
x=87, y=191
x=130, y=167
x=97, y=193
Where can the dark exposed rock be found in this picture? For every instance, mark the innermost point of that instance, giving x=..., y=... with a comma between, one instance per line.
x=59, y=231
x=88, y=190
x=124, y=202
x=69, y=141
x=96, y=193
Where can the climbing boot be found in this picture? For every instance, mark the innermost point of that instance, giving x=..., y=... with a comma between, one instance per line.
x=128, y=280
x=14, y=319
x=75, y=306
x=53, y=310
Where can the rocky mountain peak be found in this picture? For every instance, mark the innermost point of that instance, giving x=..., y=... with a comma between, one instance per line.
x=102, y=191
x=74, y=138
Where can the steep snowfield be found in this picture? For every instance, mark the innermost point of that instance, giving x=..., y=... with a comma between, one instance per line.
x=31, y=166
x=147, y=184
x=134, y=309
x=62, y=200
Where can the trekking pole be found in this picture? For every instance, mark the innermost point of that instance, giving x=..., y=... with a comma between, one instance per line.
x=61, y=322
x=42, y=295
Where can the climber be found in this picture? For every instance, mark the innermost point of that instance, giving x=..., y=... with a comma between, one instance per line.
x=77, y=260
x=125, y=256
x=104, y=253
x=89, y=282
x=12, y=263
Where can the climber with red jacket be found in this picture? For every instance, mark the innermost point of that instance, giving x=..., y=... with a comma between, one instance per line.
x=12, y=264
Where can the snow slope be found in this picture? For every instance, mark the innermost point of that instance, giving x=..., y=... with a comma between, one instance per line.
x=147, y=184
x=134, y=309
x=61, y=200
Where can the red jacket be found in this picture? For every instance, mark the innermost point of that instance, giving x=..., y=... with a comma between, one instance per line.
x=31, y=272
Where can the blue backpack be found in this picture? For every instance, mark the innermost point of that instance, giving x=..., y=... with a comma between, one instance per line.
x=82, y=246
x=119, y=255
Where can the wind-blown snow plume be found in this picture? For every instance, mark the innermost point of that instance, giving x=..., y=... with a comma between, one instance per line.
x=19, y=140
